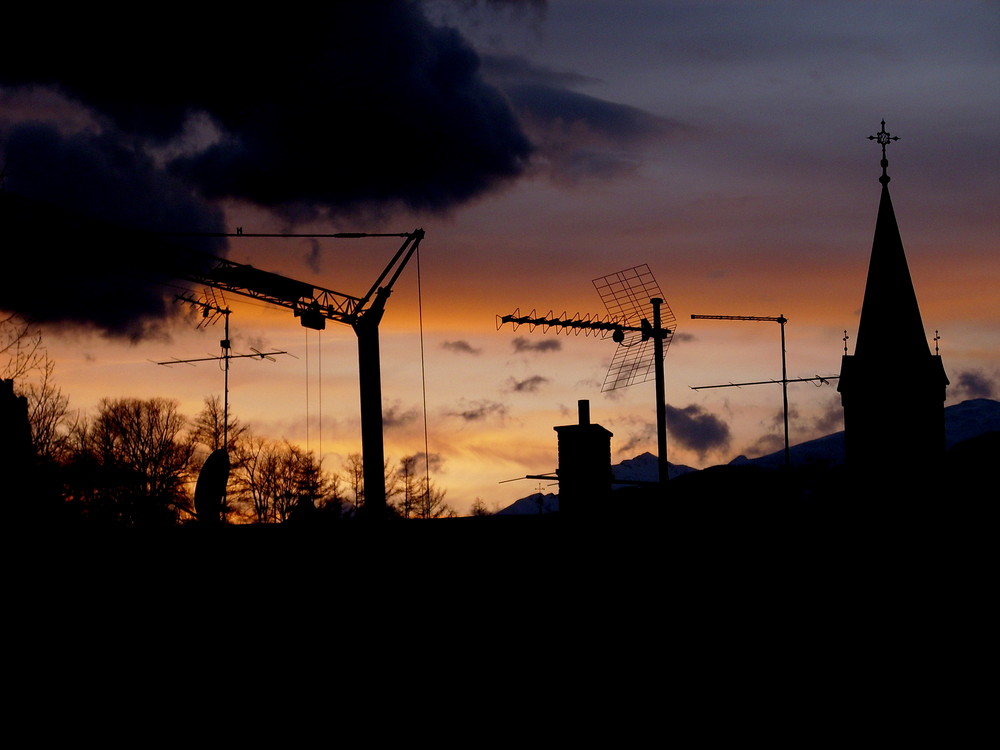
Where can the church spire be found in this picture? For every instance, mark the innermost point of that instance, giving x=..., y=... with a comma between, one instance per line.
x=890, y=324
x=892, y=388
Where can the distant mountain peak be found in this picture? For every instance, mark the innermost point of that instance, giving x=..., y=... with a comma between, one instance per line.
x=963, y=421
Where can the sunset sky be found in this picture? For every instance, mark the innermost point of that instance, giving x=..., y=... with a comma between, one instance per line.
x=540, y=145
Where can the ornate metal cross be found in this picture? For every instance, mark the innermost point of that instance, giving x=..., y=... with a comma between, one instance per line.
x=883, y=138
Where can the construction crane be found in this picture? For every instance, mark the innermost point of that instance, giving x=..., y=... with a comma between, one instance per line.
x=313, y=306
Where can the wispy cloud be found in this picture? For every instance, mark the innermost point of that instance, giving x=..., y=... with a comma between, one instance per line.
x=396, y=416
x=478, y=411
x=576, y=136
x=765, y=445
x=528, y=385
x=522, y=344
x=831, y=420
x=461, y=347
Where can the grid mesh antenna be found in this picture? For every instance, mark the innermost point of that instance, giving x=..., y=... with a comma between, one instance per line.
x=626, y=295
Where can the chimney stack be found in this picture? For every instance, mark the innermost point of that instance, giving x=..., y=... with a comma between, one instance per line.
x=584, y=465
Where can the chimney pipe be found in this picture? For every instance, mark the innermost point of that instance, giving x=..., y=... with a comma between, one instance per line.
x=584, y=407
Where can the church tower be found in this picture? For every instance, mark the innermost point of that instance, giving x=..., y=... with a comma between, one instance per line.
x=892, y=388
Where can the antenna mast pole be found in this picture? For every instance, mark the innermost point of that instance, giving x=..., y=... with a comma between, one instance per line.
x=661, y=400
x=226, y=351
x=781, y=320
x=207, y=308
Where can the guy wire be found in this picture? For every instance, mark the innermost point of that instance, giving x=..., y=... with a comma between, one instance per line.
x=423, y=381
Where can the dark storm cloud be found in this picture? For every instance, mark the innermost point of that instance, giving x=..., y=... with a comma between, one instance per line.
x=348, y=105
x=528, y=385
x=521, y=344
x=973, y=384
x=351, y=106
x=83, y=266
x=694, y=428
x=461, y=347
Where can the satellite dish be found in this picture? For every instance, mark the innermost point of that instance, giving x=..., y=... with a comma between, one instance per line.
x=211, y=487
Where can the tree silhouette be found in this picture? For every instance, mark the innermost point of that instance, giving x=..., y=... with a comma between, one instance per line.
x=21, y=349
x=257, y=464
x=354, y=477
x=139, y=461
x=208, y=428
x=48, y=415
x=279, y=480
x=210, y=431
x=419, y=498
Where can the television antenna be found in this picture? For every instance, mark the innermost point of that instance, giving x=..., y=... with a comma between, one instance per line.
x=632, y=298
x=213, y=479
x=780, y=320
x=210, y=313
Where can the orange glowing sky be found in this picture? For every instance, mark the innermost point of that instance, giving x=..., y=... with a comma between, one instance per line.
x=744, y=180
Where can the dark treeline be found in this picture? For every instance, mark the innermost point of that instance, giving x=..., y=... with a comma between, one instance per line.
x=135, y=462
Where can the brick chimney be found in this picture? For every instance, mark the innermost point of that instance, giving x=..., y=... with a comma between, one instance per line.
x=584, y=465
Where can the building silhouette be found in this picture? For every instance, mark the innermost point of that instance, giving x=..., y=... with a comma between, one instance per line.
x=892, y=388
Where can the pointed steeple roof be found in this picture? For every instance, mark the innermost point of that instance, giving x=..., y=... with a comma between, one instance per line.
x=892, y=388
x=890, y=325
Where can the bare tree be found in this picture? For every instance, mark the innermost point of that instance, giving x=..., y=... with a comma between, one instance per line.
x=210, y=431
x=409, y=484
x=354, y=471
x=287, y=489
x=257, y=463
x=209, y=427
x=142, y=458
x=430, y=502
x=479, y=508
x=48, y=415
x=21, y=349
x=24, y=361
x=281, y=480
x=420, y=498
